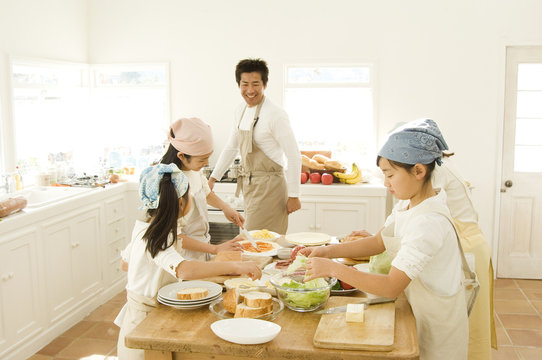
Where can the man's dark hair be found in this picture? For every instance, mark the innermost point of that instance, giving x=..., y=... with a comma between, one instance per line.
x=252, y=65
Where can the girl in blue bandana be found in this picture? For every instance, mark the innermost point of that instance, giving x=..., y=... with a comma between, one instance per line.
x=152, y=255
x=420, y=239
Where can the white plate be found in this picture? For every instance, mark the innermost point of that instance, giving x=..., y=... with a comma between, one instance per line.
x=271, y=252
x=245, y=331
x=275, y=235
x=169, y=292
x=183, y=303
x=183, y=307
x=308, y=238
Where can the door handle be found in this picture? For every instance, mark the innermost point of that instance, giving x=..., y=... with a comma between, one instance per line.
x=508, y=183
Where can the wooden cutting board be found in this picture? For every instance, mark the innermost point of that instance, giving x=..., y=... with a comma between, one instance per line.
x=376, y=333
x=260, y=260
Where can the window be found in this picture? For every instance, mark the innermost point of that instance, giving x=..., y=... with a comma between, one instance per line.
x=331, y=108
x=528, y=143
x=79, y=118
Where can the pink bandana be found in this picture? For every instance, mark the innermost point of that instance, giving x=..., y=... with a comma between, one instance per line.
x=192, y=137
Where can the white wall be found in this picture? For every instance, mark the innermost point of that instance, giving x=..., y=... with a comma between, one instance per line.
x=443, y=60
x=49, y=29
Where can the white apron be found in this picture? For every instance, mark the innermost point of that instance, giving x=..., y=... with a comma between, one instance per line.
x=441, y=321
x=263, y=184
x=197, y=227
x=135, y=310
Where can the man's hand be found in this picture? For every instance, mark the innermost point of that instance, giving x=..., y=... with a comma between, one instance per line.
x=293, y=204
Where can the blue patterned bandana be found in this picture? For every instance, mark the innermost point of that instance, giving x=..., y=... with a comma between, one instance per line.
x=149, y=183
x=417, y=142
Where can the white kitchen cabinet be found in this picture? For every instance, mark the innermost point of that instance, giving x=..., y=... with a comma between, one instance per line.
x=20, y=315
x=71, y=249
x=116, y=238
x=339, y=209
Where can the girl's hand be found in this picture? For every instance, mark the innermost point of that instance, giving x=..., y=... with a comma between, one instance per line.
x=363, y=233
x=249, y=268
x=230, y=245
x=319, y=267
x=234, y=216
x=314, y=251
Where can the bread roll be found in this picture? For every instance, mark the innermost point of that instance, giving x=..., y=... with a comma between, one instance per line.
x=305, y=161
x=320, y=158
x=333, y=165
x=192, y=293
x=12, y=205
x=230, y=300
x=315, y=165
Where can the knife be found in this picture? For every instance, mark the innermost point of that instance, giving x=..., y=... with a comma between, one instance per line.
x=341, y=309
x=250, y=238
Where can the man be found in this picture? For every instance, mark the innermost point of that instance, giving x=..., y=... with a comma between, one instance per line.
x=262, y=135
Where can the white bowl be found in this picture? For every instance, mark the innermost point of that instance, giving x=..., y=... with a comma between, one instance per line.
x=245, y=331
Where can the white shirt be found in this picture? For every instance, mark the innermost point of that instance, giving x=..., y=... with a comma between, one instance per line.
x=459, y=200
x=429, y=248
x=273, y=135
x=144, y=272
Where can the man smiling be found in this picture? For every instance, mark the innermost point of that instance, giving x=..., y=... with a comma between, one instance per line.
x=262, y=135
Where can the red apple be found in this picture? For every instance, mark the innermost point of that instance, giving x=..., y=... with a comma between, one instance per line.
x=304, y=177
x=327, y=179
x=345, y=286
x=315, y=178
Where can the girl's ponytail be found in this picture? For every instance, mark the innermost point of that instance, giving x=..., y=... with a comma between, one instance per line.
x=164, y=217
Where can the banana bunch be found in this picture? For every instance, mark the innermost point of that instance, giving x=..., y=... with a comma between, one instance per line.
x=352, y=177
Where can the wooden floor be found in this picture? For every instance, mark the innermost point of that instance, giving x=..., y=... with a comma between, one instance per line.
x=518, y=304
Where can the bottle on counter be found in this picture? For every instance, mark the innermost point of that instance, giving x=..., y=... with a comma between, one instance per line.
x=18, y=179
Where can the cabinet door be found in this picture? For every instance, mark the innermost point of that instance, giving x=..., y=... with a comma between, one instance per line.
x=19, y=289
x=341, y=218
x=85, y=254
x=303, y=219
x=72, y=266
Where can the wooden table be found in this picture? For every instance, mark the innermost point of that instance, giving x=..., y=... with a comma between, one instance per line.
x=168, y=333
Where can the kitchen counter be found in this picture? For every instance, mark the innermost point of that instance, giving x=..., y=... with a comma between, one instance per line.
x=168, y=333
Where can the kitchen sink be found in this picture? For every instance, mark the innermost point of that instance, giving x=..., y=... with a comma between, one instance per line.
x=44, y=195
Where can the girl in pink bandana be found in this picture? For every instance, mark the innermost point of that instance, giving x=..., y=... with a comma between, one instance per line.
x=191, y=145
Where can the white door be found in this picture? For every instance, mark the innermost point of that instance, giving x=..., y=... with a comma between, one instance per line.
x=520, y=235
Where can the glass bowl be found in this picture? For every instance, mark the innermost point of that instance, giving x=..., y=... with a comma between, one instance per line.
x=217, y=308
x=295, y=294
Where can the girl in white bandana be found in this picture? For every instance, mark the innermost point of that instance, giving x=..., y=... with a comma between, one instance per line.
x=152, y=256
x=420, y=239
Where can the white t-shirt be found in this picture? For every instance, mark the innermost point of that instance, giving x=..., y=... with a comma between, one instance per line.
x=144, y=272
x=429, y=248
x=273, y=135
x=459, y=200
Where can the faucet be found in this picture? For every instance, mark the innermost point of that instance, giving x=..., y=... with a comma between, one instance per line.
x=7, y=183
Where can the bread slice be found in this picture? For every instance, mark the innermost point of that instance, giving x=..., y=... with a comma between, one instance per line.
x=245, y=311
x=192, y=293
x=257, y=299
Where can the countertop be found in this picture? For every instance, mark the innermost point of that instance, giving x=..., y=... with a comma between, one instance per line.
x=168, y=333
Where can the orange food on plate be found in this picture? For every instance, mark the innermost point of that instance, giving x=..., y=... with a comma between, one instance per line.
x=264, y=247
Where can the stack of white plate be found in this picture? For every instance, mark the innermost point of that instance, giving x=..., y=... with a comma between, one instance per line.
x=168, y=294
x=308, y=238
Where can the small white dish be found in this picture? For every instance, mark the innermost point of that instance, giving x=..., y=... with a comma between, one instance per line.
x=245, y=331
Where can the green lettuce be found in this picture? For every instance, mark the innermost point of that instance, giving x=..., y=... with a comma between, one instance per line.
x=299, y=262
x=302, y=299
x=380, y=264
